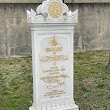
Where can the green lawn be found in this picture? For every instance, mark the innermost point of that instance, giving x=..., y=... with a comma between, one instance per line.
x=92, y=82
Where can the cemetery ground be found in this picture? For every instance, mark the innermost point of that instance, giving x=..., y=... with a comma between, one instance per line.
x=92, y=82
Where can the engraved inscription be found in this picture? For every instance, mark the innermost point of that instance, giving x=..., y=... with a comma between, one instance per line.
x=55, y=49
x=54, y=67
x=54, y=79
x=54, y=93
x=54, y=71
x=54, y=58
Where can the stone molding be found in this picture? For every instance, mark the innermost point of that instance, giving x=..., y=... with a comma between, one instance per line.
x=66, y=1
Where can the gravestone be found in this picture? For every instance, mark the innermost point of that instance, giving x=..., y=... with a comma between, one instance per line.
x=52, y=29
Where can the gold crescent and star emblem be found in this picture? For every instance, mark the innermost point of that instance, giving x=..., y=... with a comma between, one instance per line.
x=55, y=9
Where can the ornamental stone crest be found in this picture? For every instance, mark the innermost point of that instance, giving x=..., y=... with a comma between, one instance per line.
x=52, y=11
x=55, y=9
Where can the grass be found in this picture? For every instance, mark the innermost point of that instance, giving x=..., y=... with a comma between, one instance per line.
x=15, y=83
x=92, y=82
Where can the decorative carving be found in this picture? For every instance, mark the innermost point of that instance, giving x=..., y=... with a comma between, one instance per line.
x=55, y=9
x=54, y=42
x=52, y=11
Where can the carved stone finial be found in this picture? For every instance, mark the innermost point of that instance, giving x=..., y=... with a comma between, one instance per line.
x=52, y=11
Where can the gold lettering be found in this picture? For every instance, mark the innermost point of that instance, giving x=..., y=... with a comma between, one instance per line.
x=54, y=79
x=54, y=58
x=55, y=93
x=54, y=70
x=54, y=49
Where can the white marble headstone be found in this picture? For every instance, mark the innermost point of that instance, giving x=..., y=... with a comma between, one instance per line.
x=52, y=28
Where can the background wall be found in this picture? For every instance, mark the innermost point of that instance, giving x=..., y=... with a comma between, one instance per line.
x=91, y=33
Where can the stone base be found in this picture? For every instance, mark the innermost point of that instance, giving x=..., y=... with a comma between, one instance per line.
x=75, y=107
